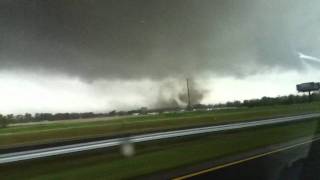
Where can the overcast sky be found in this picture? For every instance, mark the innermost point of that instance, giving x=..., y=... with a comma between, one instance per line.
x=87, y=55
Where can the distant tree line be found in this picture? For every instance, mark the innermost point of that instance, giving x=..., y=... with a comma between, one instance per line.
x=269, y=101
x=27, y=117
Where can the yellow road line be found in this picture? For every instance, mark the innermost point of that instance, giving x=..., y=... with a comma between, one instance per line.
x=243, y=160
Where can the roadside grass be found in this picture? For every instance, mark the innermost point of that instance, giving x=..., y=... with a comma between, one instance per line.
x=45, y=133
x=158, y=156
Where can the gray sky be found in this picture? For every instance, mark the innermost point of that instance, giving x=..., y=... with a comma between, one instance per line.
x=148, y=47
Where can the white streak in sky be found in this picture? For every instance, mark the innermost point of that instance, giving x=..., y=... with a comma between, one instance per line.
x=307, y=57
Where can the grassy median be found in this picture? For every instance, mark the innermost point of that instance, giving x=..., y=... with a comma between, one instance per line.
x=158, y=156
x=46, y=133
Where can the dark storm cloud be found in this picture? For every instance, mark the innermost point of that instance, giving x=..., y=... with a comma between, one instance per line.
x=127, y=39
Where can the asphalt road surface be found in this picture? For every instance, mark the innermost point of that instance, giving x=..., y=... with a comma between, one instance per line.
x=297, y=162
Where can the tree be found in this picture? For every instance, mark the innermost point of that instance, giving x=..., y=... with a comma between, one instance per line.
x=28, y=117
x=112, y=113
x=3, y=121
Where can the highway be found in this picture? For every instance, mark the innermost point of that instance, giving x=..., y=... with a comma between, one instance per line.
x=295, y=162
x=79, y=147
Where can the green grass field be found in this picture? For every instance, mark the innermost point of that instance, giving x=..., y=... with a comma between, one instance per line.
x=46, y=133
x=158, y=156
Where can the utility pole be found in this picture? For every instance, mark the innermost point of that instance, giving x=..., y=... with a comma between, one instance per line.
x=188, y=92
x=309, y=96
